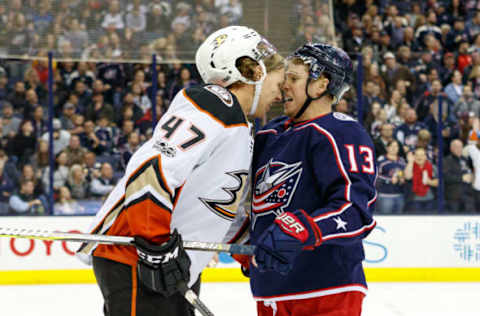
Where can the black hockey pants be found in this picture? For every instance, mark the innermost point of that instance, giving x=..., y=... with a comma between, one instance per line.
x=124, y=296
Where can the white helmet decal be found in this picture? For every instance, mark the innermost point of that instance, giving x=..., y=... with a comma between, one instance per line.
x=216, y=57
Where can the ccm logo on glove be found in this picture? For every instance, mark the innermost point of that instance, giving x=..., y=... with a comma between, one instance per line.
x=158, y=259
x=291, y=225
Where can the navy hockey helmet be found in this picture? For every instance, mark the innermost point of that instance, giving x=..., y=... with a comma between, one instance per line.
x=331, y=61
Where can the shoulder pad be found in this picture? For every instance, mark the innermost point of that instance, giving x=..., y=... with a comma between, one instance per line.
x=218, y=102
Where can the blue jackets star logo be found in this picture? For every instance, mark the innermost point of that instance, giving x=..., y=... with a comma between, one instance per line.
x=340, y=223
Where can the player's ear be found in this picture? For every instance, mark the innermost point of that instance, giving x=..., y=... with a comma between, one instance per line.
x=319, y=86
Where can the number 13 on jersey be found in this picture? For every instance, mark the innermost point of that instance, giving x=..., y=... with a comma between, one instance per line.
x=362, y=153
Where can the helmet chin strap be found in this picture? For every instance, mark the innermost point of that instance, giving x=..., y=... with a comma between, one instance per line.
x=309, y=99
x=256, y=98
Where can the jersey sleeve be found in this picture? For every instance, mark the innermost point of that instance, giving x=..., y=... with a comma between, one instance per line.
x=346, y=173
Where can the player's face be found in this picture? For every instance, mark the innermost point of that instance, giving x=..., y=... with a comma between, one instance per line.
x=271, y=91
x=294, y=88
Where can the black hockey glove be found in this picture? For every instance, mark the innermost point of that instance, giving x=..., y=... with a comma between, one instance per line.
x=162, y=267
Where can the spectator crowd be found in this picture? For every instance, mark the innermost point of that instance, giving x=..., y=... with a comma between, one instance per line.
x=112, y=29
x=421, y=66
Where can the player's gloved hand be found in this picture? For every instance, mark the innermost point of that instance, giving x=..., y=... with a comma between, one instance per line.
x=283, y=241
x=162, y=267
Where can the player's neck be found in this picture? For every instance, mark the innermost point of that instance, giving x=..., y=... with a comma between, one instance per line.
x=315, y=109
x=244, y=96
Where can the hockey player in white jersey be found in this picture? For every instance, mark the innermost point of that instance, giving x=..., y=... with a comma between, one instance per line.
x=187, y=180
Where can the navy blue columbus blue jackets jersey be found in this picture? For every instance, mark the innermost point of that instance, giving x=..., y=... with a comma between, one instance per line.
x=325, y=166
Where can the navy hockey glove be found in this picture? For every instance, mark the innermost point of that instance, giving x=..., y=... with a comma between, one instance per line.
x=283, y=241
x=162, y=267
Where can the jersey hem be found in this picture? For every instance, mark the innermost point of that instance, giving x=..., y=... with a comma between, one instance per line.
x=315, y=293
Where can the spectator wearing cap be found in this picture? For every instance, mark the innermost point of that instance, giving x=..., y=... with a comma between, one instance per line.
x=68, y=112
x=392, y=72
x=61, y=137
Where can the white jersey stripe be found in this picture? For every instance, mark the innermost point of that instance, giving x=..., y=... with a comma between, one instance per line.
x=319, y=293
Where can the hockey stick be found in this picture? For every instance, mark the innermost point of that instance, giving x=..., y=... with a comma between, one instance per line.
x=120, y=240
x=193, y=299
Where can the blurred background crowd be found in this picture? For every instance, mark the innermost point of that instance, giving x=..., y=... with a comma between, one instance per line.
x=420, y=62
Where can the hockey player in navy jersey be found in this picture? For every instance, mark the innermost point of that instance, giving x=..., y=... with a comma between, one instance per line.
x=313, y=195
x=186, y=181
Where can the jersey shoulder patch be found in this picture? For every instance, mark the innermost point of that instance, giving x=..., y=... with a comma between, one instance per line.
x=218, y=103
x=343, y=117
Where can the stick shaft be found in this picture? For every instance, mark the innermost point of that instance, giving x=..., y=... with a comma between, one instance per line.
x=120, y=240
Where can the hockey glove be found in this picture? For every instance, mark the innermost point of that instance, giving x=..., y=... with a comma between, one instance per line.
x=244, y=261
x=162, y=267
x=283, y=241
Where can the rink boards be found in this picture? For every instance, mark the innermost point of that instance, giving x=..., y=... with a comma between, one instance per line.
x=399, y=249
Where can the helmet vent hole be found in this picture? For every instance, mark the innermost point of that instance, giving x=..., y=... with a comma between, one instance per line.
x=212, y=64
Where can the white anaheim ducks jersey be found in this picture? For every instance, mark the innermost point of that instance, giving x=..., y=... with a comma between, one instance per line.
x=190, y=175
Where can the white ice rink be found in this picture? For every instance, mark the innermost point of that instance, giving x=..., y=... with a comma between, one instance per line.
x=233, y=299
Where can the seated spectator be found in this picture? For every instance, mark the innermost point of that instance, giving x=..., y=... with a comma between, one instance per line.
x=129, y=149
x=99, y=108
x=74, y=151
x=106, y=133
x=77, y=120
x=454, y=89
x=140, y=97
x=24, y=202
x=101, y=186
x=380, y=120
x=458, y=178
x=39, y=122
x=10, y=122
x=60, y=174
x=77, y=182
x=7, y=186
x=467, y=103
x=391, y=181
x=23, y=145
x=29, y=173
x=40, y=160
x=68, y=112
x=407, y=133
x=17, y=97
x=424, y=141
x=89, y=139
x=420, y=171
x=65, y=204
x=61, y=137
x=386, y=136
